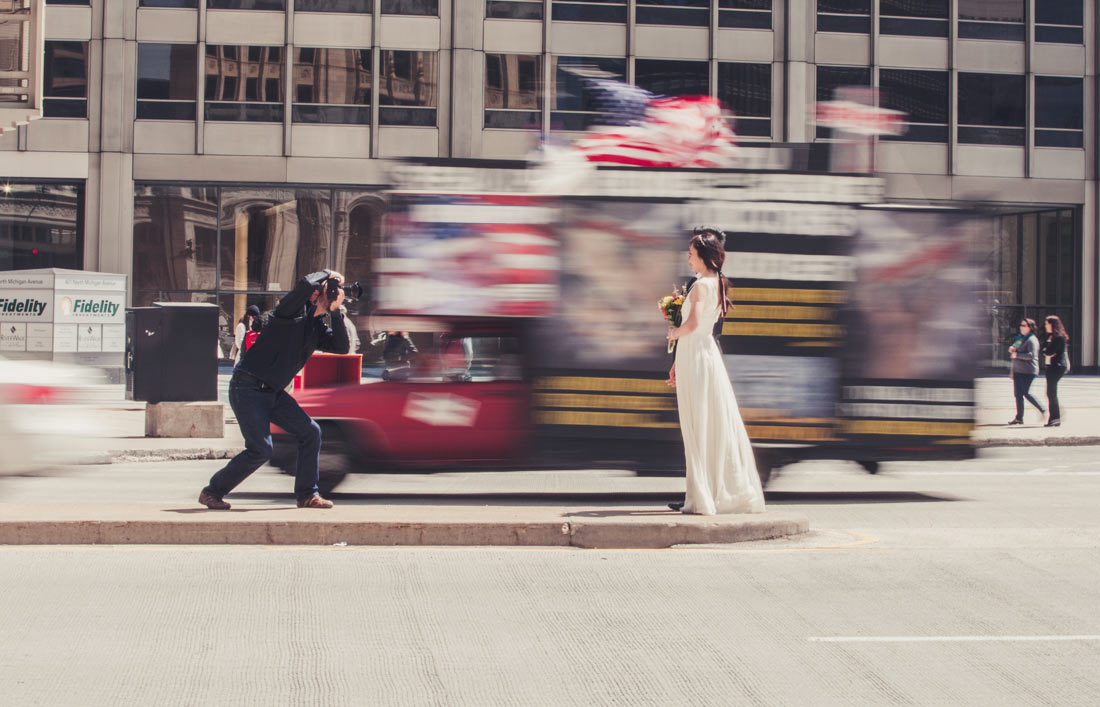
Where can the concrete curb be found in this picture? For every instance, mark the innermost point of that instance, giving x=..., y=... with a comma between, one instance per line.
x=1082, y=441
x=570, y=533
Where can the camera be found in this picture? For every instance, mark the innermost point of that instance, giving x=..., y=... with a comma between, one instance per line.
x=352, y=292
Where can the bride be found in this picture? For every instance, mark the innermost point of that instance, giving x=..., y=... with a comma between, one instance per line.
x=721, y=471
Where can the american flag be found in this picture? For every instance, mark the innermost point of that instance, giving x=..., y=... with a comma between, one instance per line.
x=635, y=127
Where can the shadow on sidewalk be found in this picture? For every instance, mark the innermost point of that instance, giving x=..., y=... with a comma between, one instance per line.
x=853, y=497
x=235, y=509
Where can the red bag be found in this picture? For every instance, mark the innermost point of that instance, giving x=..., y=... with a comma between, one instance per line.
x=250, y=338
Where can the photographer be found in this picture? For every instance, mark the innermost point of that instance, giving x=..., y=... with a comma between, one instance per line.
x=295, y=329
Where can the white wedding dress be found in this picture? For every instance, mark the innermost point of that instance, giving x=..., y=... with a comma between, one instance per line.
x=721, y=470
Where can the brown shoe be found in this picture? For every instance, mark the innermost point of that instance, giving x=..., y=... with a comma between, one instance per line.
x=315, y=501
x=213, y=503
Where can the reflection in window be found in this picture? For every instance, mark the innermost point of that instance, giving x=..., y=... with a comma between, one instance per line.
x=169, y=3
x=920, y=18
x=271, y=237
x=358, y=219
x=41, y=226
x=691, y=13
x=410, y=7
x=166, y=82
x=746, y=89
x=244, y=83
x=1059, y=111
x=1062, y=21
x=991, y=109
x=269, y=5
x=571, y=105
x=175, y=238
x=610, y=11
x=65, y=83
x=513, y=91
x=991, y=19
x=830, y=78
x=514, y=9
x=672, y=77
x=332, y=86
x=922, y=96
x=747, y=14
x=408, y=87
x=348, y=6
x=852, y=16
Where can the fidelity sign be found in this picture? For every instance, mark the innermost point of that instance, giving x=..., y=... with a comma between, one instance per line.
x=87, y=306
x=28, y=306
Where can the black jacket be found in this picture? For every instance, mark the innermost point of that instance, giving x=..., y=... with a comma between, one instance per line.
x=291, y=334
x=1055, y=347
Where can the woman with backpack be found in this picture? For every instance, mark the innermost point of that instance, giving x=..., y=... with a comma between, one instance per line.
x=1056, y=351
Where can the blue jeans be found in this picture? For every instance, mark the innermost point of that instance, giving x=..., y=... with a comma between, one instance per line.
x=256, y=407
x=1021, y=387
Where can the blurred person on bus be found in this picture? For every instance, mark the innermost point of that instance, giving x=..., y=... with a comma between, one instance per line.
x=721, y=468
x=1025, y=366
x=1056, y=352
x=257, y=391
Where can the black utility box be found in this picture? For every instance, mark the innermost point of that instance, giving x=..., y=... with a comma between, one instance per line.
x=172, y=352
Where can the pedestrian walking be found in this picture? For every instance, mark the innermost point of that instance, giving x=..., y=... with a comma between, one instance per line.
x=1025, y=366
x=1056, y=353
x=253, y=332
x=721, y=469
x=397, y=354
x=257, y=390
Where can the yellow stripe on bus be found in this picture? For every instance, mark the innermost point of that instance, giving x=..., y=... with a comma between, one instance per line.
x=602, y=385
x=773, y=311
x=767, y=294
x=626, y=402
x=783, y=330
x=908, y=427
x=600, y=419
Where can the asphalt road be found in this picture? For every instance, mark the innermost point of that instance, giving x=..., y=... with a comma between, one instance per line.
x=969, y=583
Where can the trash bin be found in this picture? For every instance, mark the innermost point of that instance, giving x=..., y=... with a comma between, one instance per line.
x=171, y=352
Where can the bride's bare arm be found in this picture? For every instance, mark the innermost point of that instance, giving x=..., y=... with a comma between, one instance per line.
x=692, y=322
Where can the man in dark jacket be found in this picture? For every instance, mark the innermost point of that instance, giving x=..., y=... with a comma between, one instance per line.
x=293, y=331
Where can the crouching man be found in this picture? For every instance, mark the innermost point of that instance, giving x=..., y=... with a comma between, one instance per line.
x=293, y=331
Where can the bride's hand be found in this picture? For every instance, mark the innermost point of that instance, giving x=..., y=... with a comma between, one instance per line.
x=674, y=334
x=671, y=377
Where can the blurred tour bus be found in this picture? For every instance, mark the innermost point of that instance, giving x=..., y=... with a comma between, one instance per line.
x=854, y=332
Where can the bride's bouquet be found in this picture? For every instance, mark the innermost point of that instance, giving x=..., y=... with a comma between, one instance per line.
x=671, y=307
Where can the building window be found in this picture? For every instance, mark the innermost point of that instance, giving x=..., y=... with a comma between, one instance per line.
x=923, y=97
x=410, y=7
x=269, y=5
x=513, y=91
x=514, y=9
x=830, y=78
x=918, y=18
x=991, y=109
x=65, y=80
x=332, y=86
x=166, y=85
x=41, y=226
x=992, y=19
x=852, y=16
x=746, y=89
x=348, y=6
x=175, y=238
x=68, y=2
x=666, y=77
x=1059, y=111
x=1060, y=22
x=408, y=88
x=745, y=14
x=244, y=83
x=191, y=4
x=611, y=11
x=690, y=13
x=571, y=104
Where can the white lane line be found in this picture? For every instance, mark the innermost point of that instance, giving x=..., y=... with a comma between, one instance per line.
x=944, y=639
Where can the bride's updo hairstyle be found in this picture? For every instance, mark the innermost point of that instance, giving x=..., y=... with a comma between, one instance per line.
x=709, y=243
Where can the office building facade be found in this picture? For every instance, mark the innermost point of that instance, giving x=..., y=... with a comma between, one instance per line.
x=215, y=149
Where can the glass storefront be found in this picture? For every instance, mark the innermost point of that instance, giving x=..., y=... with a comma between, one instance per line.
x=41, y=225
x=1034, y=271
x=239, y=245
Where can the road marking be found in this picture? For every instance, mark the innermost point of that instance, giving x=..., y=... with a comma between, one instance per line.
x=944, y=639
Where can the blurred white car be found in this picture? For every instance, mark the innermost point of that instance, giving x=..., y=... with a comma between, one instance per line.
x=42, y=405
